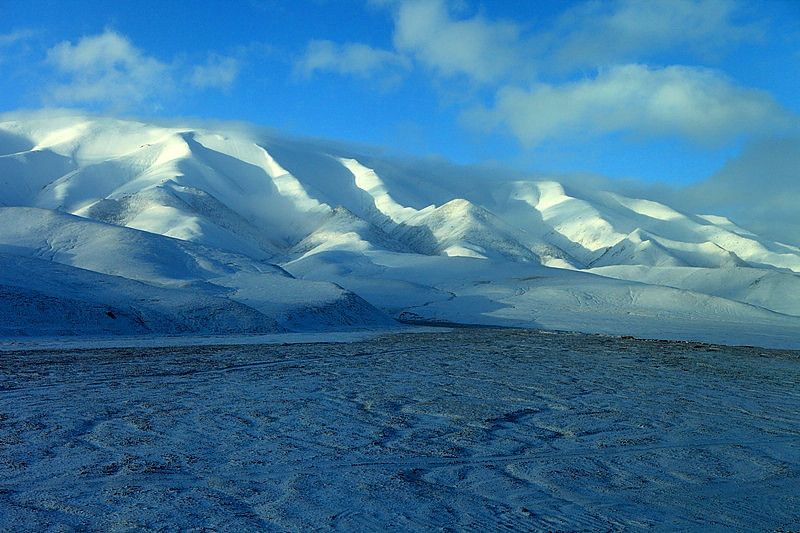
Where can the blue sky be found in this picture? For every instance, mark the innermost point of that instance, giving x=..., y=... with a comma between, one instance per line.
x=658, y=90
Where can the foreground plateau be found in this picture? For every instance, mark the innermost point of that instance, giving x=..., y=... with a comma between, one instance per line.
x=472, y=429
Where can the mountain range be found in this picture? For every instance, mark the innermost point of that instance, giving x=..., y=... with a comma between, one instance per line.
x=111, y=226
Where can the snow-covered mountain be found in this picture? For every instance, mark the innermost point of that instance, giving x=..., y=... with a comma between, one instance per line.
x=191, y=229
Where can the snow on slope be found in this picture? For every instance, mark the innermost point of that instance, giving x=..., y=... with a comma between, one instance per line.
x=770, y=289
x=115, y=250
x=214, y=282
x=369, y=182
x=436, y=289
x=238, y=202
x=42, y=297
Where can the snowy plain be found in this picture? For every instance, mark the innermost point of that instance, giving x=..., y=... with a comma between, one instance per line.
x=468, y=429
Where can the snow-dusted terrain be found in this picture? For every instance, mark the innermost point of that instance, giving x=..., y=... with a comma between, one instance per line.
x=170, y=252
x=469, y=430
x=116, y=226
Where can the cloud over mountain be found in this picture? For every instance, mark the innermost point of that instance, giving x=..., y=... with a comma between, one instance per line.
x=537, y=79
x=699, y=104
x=603, y=33
x=483, y=50
x=349, y=58
x=108, y=71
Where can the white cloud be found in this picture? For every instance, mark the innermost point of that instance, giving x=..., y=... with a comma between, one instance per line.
x=590, y=34
x=493, y=52
x=483, y=50
x=600, y=33
x=696, y=103
x=14, y=37
x=219, y=72
x=349, y=58
x=107, y=69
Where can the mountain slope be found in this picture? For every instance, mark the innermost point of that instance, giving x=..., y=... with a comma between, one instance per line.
x=179, y=278
x=41, y=297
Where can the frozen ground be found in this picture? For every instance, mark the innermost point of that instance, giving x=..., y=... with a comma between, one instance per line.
x=15, y=344
x=471, y=429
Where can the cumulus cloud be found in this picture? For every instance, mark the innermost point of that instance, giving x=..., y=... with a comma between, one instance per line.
x=219, y=72
x=589, y=34
x=699, y=104
x=493, y=52
x=108, y=71
x=349, y=58
x=427, y=31
x=484, y=50
x=600, y=33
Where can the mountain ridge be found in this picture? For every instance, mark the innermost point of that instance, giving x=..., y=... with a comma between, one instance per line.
x=338, y=217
